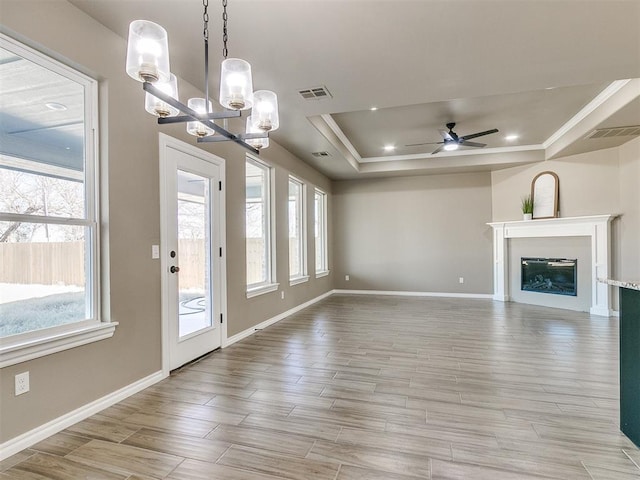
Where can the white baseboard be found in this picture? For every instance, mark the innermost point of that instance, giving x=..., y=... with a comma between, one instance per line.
x=27, y=439
x=602, y=312
x=417, y=294
x=250, y=331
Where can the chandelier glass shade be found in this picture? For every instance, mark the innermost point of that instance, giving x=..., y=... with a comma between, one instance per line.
x=158, y=107
x=258, y=143
x=148, y=52
x=265, y=111
x=148, y=62
x=236, y=84
x=199, y=129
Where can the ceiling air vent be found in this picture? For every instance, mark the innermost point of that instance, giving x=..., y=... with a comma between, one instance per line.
x=632, y=131
x=320, y=154
x=315, y=93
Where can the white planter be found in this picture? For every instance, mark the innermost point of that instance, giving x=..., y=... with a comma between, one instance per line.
x=527, y=216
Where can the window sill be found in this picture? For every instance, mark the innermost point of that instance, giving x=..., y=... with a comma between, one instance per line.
x=262, y=289
x=321, y=274
x=19, y=352
x=298, y=280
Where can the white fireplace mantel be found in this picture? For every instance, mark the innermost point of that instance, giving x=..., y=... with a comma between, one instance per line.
x=596, y=227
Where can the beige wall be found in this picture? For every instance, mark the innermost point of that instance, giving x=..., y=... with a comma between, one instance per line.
x=244, y=313
x=415, y=234
x=588, y=185
x=601, y=182
x=67, y=380
x=628, y=262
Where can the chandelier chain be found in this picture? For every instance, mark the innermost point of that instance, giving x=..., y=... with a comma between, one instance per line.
x=225, y=35
x=205, y=20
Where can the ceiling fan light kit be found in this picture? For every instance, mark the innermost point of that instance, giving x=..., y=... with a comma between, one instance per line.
x=148, y=62
x=451, y=141
x=450, y=146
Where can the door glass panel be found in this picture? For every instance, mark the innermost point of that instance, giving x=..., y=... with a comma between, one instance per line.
x=194, y=253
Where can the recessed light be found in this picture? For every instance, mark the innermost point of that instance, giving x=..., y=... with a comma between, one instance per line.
x=511, y=138
x=58, y=107
x=373, y=109
x=389, y=148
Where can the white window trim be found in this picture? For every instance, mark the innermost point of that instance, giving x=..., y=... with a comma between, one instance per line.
x=270, y=285
x=302, y=276
x=298, y=280
x=325, y=245
x=18, y=352
x=262, y=289
x=37, y=343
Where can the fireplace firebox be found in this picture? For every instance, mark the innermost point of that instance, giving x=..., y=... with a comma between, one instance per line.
x=556, y=276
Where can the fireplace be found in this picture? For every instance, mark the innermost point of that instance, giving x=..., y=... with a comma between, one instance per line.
x=556, y=276
x=597, y=230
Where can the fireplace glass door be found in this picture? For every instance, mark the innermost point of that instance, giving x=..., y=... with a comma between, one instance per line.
x=556, y=276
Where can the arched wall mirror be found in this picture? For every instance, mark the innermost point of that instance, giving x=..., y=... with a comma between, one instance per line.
x=544, y=193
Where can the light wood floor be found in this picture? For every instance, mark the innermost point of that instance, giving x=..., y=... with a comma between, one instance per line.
x=371, y=388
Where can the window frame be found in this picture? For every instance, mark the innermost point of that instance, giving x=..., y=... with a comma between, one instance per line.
x=269, y=284
x=322, y=225
x=37, y=343
x=301, y=276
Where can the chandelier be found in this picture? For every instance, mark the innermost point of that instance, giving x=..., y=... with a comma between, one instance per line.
x=148, y=62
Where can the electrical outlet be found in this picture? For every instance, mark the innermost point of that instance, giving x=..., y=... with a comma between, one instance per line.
x=461, y=280
x=346, y=277
x=22, y=383
x=282, y=295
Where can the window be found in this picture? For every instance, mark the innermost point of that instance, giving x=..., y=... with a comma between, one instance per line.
x=260, y=276
x=297, y=233
x=322, y=261
x=49, y=292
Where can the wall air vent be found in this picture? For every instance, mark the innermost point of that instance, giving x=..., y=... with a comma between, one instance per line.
x=631, y=131
x=315, y=93
x=320, y=154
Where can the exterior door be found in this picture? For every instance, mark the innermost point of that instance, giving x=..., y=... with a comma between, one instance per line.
x=191, y=253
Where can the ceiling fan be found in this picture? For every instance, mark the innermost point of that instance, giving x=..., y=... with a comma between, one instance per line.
x=451, y=140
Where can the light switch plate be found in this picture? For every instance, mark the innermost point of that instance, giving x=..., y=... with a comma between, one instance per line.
x=155, y=252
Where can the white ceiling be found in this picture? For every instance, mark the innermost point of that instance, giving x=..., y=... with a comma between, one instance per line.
x=525, y=67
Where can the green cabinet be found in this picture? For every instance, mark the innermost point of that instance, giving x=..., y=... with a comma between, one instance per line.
x=630, y=363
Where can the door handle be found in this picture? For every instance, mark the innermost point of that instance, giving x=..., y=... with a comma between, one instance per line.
x=174, y=269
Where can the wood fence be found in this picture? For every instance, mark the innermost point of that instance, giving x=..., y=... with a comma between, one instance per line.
x=192, y=260
x=63, y=263
x=42, y=263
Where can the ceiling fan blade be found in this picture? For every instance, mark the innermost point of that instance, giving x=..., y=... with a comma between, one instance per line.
x=437, y=150
x=426, y=143
x=446, y=135
x=472, y=144
x=479, y=134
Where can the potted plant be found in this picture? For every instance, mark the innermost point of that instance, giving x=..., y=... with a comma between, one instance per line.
x=527, y=207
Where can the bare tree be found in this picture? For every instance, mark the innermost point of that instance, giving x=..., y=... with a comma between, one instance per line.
x=26, y=193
